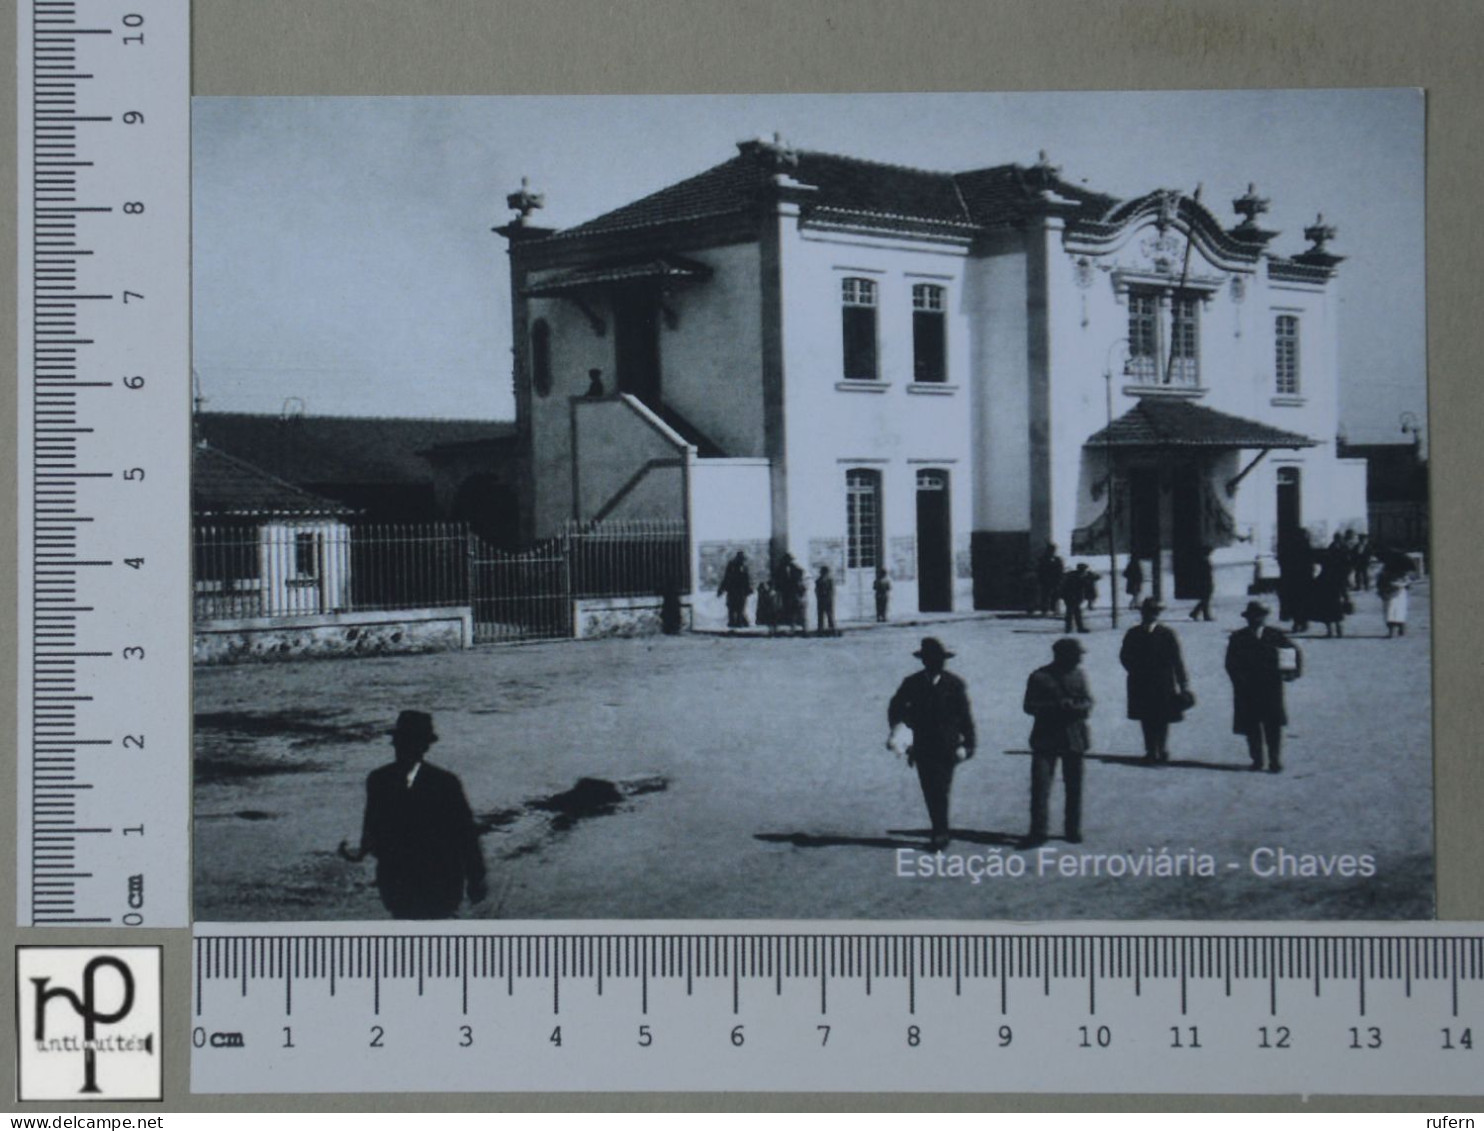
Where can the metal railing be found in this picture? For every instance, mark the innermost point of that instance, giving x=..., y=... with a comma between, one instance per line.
x=288, y=567
x=627, y=557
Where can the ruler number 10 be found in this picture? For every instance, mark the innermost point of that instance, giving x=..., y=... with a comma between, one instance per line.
x=134, y=20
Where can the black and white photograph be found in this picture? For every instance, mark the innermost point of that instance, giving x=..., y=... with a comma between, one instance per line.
x=836, y=507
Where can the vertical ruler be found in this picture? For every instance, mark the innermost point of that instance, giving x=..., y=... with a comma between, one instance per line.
x=103, y=113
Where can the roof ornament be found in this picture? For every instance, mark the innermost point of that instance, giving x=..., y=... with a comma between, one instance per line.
x=1043, y=173
x=523, y=202
x=1250, y=206
x=1319, y=233
x=1168, y=201
x=776, y=155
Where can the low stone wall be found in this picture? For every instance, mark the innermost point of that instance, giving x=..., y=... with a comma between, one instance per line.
x=597, y=617
x=333, y=634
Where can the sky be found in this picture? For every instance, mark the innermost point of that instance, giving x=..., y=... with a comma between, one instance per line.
x=344, y=263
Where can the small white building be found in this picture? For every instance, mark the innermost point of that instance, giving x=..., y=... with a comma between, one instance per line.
x=866, y=365
x=263, y=547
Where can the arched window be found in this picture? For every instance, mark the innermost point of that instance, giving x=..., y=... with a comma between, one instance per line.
x=541, y=357
x=862, y=518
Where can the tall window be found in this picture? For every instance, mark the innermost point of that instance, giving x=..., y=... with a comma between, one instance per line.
x=929, y=343
x=1143, y=335
x=1286, y=365
x=858, y=320
x=1164, y=343
x=306, y=555
x=1184, y=364
x=862, y=519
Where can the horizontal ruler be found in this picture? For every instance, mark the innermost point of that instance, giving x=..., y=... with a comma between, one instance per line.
x=103, y=452
x=1202, y=1010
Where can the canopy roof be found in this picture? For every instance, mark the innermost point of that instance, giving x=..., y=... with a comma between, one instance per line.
x=660, y=268
x=1161, y=422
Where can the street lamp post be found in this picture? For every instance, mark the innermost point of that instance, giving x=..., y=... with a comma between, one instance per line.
x=1113, y=598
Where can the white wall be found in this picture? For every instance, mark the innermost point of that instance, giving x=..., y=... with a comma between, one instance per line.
x=895, y=426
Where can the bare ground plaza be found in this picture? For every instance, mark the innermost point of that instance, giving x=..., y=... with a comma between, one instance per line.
x=749, y=779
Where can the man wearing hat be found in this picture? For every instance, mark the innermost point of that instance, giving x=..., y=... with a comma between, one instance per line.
x=934, y=703
x=419, y=827
x=1059, y=699
x=1260, y=660
x=1158, y=687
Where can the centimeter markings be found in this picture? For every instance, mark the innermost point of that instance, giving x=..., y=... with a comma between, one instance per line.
x=100, y=839
x=1201, y=1012
x=1313, y=960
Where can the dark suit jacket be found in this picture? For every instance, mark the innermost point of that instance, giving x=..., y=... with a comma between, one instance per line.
x=1156, y=670
x=1257, y=684
x=1060, y=702
x=423, y=838
x=938, y=713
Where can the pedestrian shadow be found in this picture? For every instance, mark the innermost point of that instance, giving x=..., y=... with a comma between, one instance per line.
x=1137, y=761
x=825, y=840
x=920, y=836
x=969, y=836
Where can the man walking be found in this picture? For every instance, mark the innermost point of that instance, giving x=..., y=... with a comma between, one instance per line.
x=1158, y=687
x=419, y=827
x=1059, y=699
x=1049, y=570
x=1259, y=661
x=1075, y=587
x=934, y=704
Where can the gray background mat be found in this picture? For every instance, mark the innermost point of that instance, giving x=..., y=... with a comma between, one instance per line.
x=733, y=46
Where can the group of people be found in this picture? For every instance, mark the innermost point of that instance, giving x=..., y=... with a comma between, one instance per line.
x=783, y=596
x=933, y=704
x=1315, y=585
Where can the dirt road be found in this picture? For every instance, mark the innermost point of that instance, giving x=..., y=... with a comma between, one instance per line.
x=753, y=782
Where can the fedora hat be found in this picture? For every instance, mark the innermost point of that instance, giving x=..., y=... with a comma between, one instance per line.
x=1151, y=603
x=932, y=647
x=1068, y=645
x=414, y=724
x=1256, y=609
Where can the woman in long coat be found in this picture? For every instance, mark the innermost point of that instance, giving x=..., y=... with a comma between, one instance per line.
x=1158, y=686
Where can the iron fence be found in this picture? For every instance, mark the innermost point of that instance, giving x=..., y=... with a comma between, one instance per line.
x=627, y=558
x=292, y=567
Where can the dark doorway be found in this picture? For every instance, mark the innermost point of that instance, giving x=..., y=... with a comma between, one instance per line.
x=934, y=544
x=1144, y=532
x=491, y=510
x=1290, y=508
x=636, y=343
x=1186, y=533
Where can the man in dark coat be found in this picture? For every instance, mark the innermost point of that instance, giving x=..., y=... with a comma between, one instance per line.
x=1260, y=660
x=1059, y=698
x=1049, y=570
x=934, y=704
x=736, y=587
x=1133, y=580
x=1076, y=584
x=788, y=591
x=419, y=827
x=1157, y=681
x=1205, y=586
x=824, y=603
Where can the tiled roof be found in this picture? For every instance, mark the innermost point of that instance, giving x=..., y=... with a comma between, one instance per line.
x=223, y=485
x=1159, y=422
x=851, y=187
x=329, y=450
